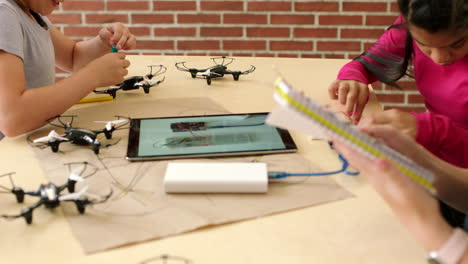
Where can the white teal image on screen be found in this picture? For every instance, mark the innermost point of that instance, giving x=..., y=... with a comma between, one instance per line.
x=207, y=134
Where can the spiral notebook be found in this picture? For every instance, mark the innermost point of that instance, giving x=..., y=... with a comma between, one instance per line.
x=306, y=115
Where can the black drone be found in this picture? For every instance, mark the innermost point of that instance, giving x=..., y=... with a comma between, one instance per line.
x=78, y=136
x=50, y=195
x=136, y=82
x=216, y=71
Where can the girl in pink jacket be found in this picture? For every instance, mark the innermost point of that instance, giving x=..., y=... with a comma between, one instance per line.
x=432, y=36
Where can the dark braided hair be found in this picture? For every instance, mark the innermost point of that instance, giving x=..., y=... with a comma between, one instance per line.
x=431, y=15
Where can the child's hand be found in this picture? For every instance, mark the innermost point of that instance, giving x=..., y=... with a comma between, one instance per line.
x=108, y=70
x=411, y=203
x=352, y=94
x=402, y=121
x=400, y=142
x=406, y=197
x=119, y=35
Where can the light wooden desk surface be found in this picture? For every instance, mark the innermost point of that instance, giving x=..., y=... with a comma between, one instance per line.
x=360, y=230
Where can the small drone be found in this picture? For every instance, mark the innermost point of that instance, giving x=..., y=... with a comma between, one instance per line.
x=216, y=71
x=136, y=82
x=78, y=136
x=50, y=195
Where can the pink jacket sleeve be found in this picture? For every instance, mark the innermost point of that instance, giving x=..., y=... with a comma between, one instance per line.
x=392, y=41
x=443, y=137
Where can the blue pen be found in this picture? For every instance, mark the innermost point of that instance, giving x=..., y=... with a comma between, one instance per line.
x=114, y=48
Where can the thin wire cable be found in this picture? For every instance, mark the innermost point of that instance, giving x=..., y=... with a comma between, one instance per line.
x=344, y=169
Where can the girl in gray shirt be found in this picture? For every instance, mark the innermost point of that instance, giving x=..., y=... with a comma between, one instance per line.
x=30, y=49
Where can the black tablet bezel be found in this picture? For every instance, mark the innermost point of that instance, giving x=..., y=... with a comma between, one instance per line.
x=134, y=133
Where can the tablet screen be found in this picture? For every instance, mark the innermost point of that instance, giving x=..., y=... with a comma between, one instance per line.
x=205, y=136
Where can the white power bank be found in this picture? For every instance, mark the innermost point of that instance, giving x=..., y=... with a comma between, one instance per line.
x=224, y=177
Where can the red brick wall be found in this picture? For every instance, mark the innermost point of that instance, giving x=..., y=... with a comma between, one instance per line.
x=297, y=28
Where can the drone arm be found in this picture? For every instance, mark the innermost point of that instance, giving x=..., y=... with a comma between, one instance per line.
x=33, y=193
x=150, y=83
x=25, y=212
x=69, y=184
x=99, y=131
x=112, y=91
x=101, y=91
x=81, y=200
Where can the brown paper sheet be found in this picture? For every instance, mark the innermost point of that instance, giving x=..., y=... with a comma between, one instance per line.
x=140, y=210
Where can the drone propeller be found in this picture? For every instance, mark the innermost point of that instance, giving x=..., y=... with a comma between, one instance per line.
x=252, y=69
x=80, y=170
x=10, y=178
x=75, y=175
x=111, y=124
x=15, y=190
x=78, y=174
x=223, y=60
x=160, y=70
x=63, y=123
x=181, y=66
x=52, y=136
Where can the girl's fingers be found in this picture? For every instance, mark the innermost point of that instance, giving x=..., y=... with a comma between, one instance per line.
x=360, y=104
x=342, y=92
x=333, y=90
x=351, y=100
x=118, y=33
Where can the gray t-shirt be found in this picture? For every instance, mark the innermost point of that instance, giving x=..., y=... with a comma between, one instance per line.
x=24, y=37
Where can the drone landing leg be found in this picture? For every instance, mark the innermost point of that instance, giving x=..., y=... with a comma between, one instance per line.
x=146, y=88
x=28, y=217
x=71, y=186
x=27, y=213
x=96, y=149
x=236, y=75
x=54, y=146
x=80, y=206
x=108, y=134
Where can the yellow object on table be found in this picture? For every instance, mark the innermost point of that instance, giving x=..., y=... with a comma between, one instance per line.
x=95, y=99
